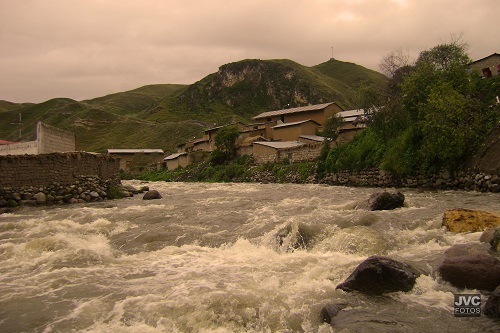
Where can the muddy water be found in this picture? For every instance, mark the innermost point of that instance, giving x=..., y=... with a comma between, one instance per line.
x=227, y=258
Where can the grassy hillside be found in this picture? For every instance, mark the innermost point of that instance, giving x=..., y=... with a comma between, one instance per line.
x=165, y=115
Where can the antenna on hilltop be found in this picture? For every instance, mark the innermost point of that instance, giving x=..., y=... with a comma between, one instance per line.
x=332, y=54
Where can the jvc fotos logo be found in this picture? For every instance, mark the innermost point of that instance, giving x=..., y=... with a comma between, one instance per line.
x=467, y=305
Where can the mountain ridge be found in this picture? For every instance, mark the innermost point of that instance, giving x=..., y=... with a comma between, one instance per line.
x=164, y=115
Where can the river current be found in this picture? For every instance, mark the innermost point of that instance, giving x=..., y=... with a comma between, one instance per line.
x=228, y=258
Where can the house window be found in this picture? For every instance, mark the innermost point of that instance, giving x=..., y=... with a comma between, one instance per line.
x=283, y=118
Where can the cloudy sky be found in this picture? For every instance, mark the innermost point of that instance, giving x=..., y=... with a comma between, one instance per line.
x=89, y=48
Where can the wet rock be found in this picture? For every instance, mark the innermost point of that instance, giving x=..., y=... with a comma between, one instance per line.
x=151, y=195
x=466, y=220
x=383, y=201
x=491, y=236
x=461, y=250
x=40, y=198
x=144, y=189
x=492, y=305
x=378, y=275
x=330, y=310
x=131, y=189
x=473, y=271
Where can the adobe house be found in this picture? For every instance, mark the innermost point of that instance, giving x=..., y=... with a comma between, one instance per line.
x=176, y=160
x=311, y=139
x=319, y=113
x=488, y=66
x=211, y=133
x=133, y=160
x=274, y=151
x=292, y=131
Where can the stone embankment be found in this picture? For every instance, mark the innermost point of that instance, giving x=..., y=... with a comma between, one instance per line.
x=84, y=189
x=468, y=181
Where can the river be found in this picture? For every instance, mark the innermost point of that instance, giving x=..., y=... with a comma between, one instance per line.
x=227, y=258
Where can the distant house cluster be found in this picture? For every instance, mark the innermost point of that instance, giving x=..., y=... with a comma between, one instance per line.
x=277, y=135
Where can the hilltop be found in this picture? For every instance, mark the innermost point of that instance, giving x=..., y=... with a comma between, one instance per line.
x=164, y=115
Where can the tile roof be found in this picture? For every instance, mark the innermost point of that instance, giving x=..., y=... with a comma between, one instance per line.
x=295, y=123
x=281, y=144
x=5, y=142
x=135, y=151
x=293, y=110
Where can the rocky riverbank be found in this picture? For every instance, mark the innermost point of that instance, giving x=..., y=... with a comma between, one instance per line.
x=84, y=189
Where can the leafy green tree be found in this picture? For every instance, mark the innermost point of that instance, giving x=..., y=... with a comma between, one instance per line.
x=225, y=141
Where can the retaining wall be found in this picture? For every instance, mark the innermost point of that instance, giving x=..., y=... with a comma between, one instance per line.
x=56, y=177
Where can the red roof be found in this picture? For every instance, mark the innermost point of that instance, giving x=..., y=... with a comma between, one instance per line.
x=4, y=142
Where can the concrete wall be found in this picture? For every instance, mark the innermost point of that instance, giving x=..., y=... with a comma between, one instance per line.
x=30, y=147
x=51, y=139
x=48, y=140
x=64, y=168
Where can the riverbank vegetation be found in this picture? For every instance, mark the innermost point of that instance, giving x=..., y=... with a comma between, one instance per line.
x=435, y=114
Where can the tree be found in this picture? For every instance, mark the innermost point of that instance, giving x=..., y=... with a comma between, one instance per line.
x=225, y=141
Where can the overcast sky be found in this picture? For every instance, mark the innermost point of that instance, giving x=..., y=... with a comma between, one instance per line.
x=89, y=48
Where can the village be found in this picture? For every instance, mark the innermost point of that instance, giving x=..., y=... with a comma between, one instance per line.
x=291, y=134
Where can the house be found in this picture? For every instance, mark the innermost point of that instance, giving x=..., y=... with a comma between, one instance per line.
x=353, y=122
x=211, y=133
x=173, y=161
x=319, y=113
x=134, y=160
x=488, y=66
x=311, y=139
x=292, y=131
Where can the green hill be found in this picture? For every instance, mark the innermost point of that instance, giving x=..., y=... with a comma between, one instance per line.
x=165, y=115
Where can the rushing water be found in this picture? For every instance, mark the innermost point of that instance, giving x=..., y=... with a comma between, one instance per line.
x=227, y=258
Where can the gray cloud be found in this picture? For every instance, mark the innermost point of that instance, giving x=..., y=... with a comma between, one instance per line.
x=85, y=49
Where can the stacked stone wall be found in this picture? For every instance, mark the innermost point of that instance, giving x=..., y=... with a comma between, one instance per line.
x=464, y=180
x=59, y=177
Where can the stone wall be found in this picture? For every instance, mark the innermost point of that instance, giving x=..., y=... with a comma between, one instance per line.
x=56, y=178
x=305, y=153
x=465, y=180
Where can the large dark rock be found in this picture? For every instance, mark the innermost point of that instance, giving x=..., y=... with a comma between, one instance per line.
x=492, y=305
x=330, y=310
x=378, y=275
x=472, y=271
x=383, y=201
x=153, y=194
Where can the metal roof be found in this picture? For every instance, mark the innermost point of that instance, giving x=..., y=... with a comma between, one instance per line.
x=313, y=137
x=281, y=144
x=135, y=151
x=174, y=156
x=293, y=110
x=295, y=123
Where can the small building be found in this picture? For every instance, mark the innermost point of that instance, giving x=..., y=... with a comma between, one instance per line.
x=176, y=160
x=319, y=113
x=292, y=131
x=136, y=160
x=488, y=66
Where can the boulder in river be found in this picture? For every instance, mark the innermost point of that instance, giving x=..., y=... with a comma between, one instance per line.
x=473, y=271
x=383, y=201
x=378, y=275
x=467, y=220
x=151, y=195
x=492, y=305
x=330, y=310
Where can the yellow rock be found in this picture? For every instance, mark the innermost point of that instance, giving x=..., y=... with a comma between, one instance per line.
x=466, y=220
